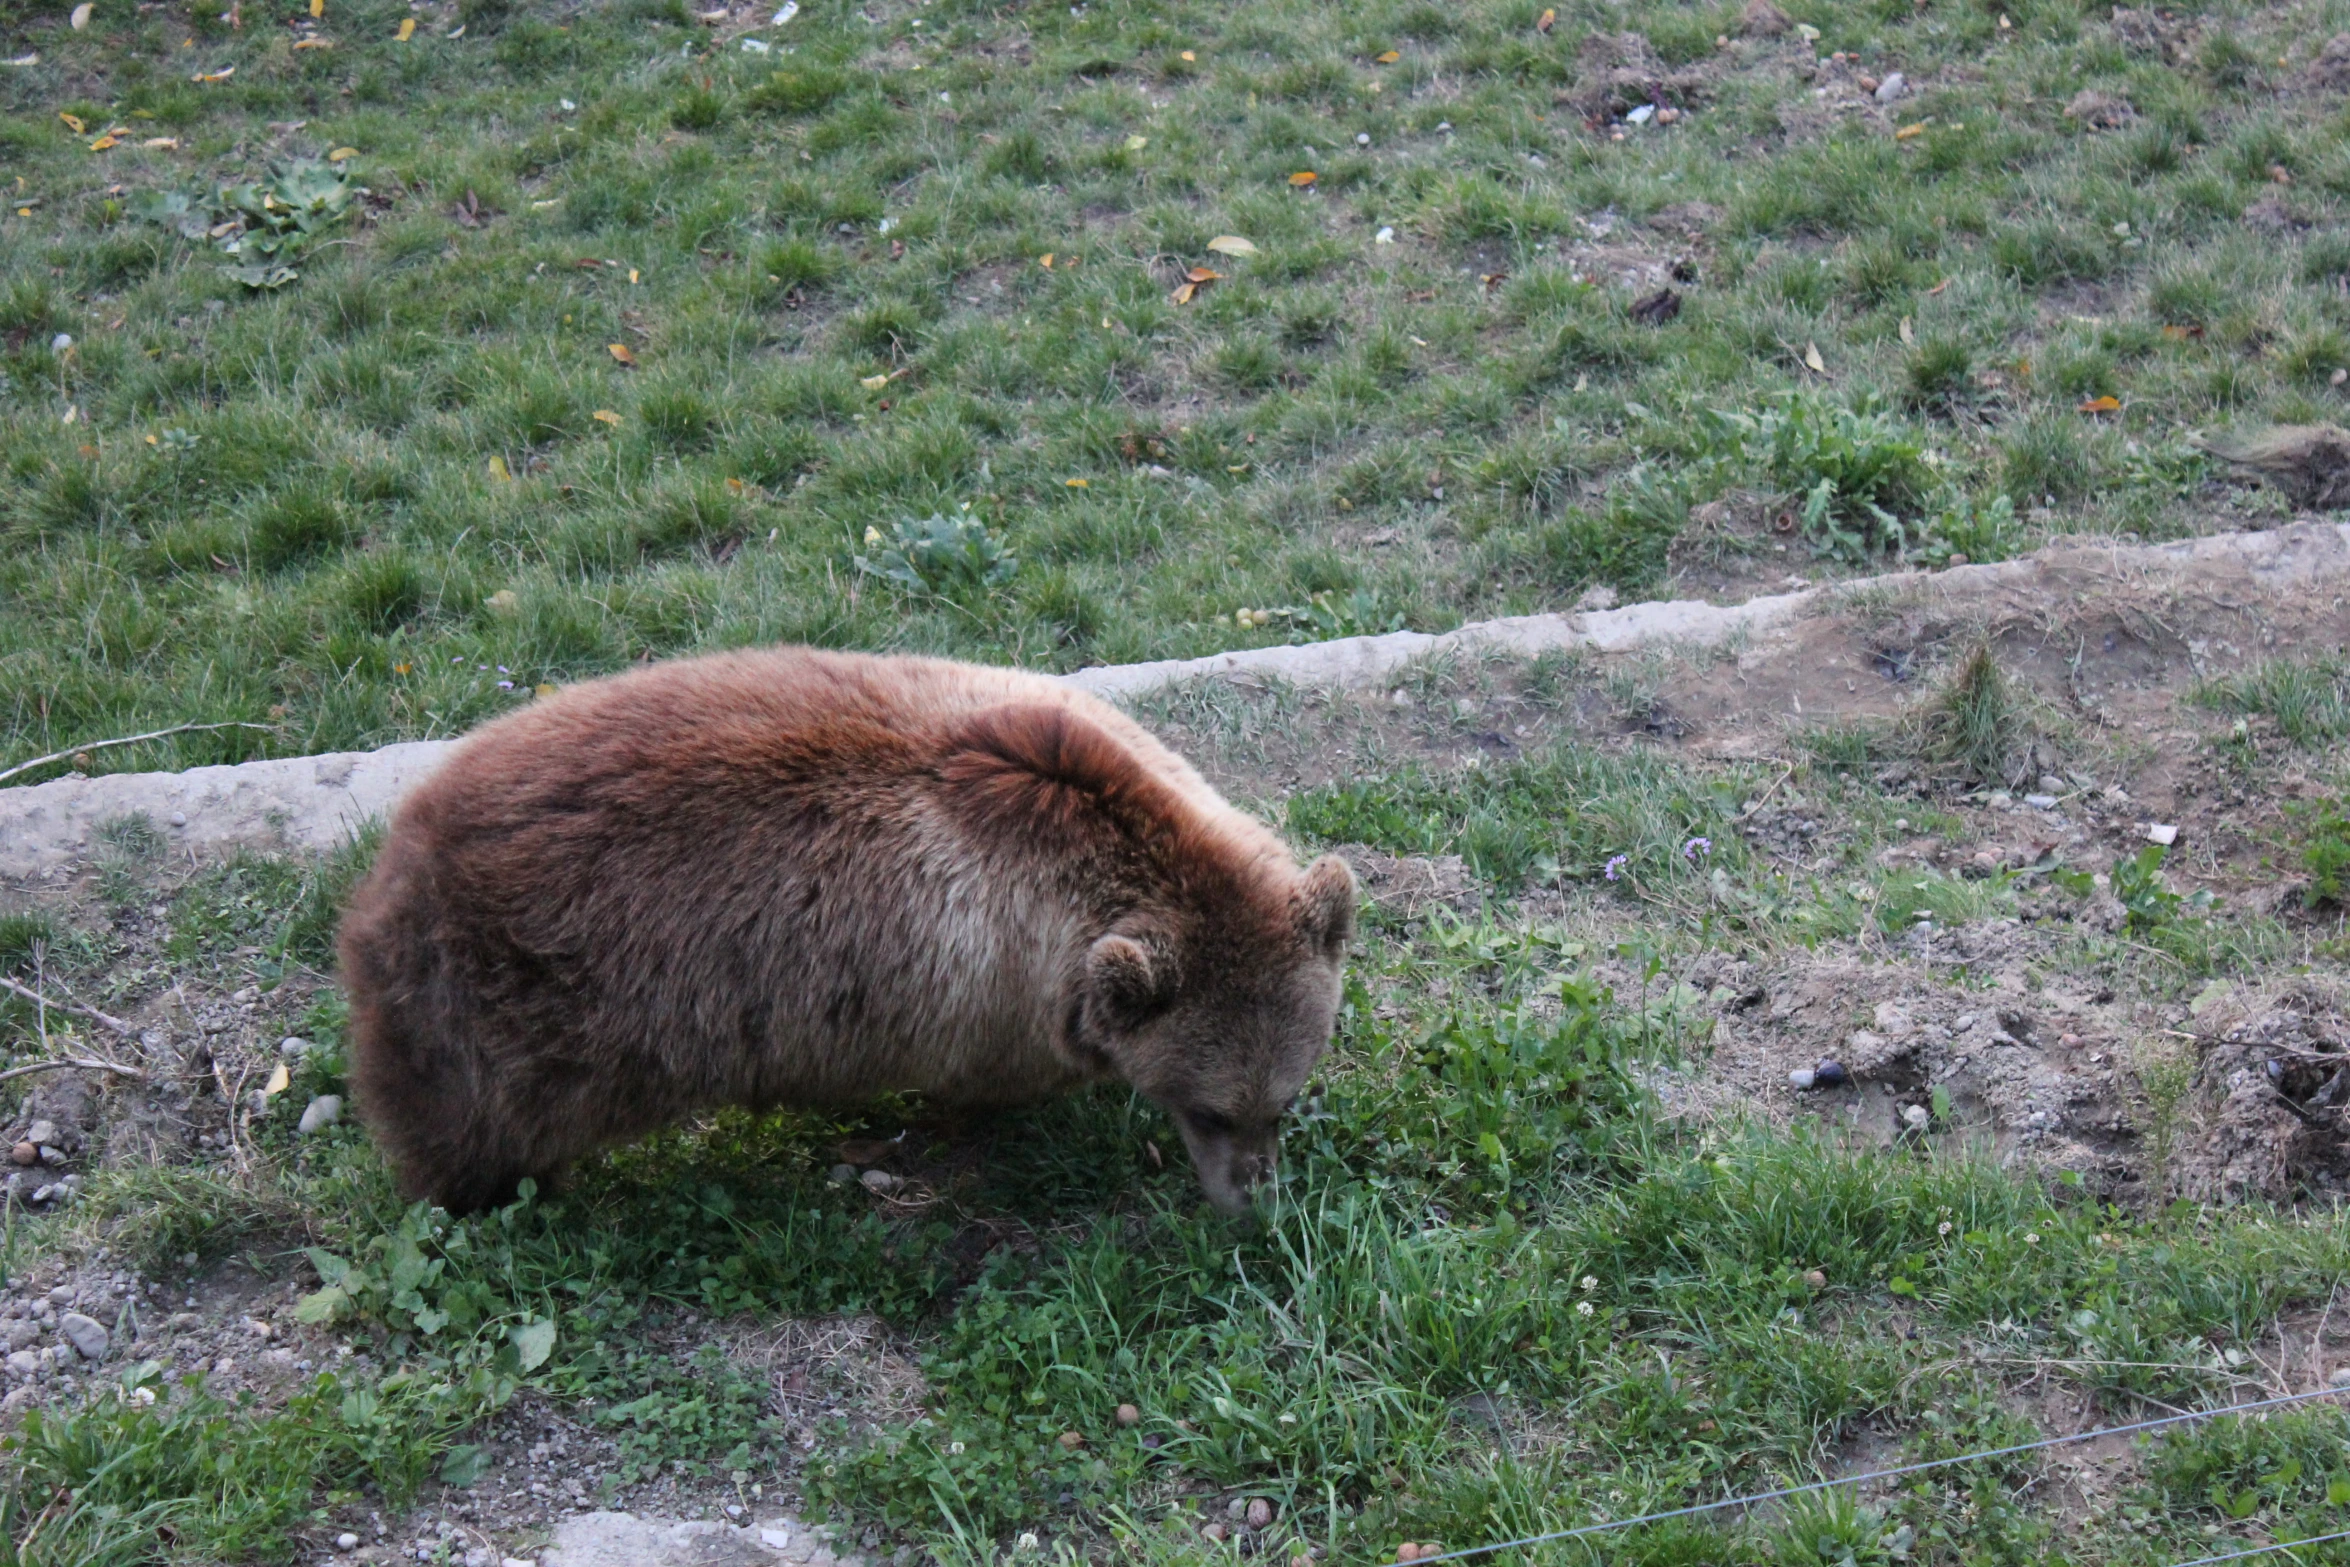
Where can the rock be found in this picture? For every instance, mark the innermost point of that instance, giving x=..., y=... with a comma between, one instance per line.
x=1129, y=1415
x=1915, y=1116
x=1072, y=1440
x=322, y=1112
x=41, y=1132
x=2163, y=833
x=624, y=1540
x=2310, y=463
x=1260, y=1513
x=293, y=1047
x=879, y=1181
x=2041, y=802
x=23, y=1362
x=1830, y=1074
x=842, y=1175
x=1213, y=1533
x=346, y=1542
x=1802, y=1078
x=86, y=1334
x=51, y=1154
x=1816, y=1279
x=2341, y=1376
x=1892, y=87
x=26, y=1153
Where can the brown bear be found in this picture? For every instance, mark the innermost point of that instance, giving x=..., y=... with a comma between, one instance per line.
x=802, y=878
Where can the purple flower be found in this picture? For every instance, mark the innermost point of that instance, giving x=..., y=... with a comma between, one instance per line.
x=1615, y=867
x=1695, y=847
x=503, y=670
x=505, y=685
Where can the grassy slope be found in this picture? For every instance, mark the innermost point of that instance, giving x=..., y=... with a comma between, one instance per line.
x=281, y=505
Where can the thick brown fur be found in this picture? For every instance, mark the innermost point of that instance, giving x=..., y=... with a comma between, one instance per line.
x=806, y=878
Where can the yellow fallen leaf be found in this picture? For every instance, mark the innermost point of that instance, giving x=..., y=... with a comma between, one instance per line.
x=317, y=9
x=542, y=689
x=1185, y=293
x=619, y=351
x=1907, y=131
x=2102, y=405
x=1811, y=357
x=1303, y=177
x=1390, y=57
x=1547, y=21
x=279, y=1081
x=874, y=383
x=502, y=600
x=407, y=30
x=632, y=274
x=403, y=669
x=605, y=416
x=734, y=486
x=221, y=75
x=1076, y=484
x=1231, y=245
x=81, y=16
x=1906, y=335
x=499, y=471
x=1045, y=261
x=73, y=122
x=1188, y=56
x=102, y=143
x=313, y=43
x=162, y=143
x=340, y=153
x=1137, y=143
x=1202, y=275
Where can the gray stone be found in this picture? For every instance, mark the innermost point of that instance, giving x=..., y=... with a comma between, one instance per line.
x=86, y=1334
x=625, y=1540
x=1892, y=87
x=324, y=1111
x=25, y=1362
x=41, y=1132
x=879, y=1181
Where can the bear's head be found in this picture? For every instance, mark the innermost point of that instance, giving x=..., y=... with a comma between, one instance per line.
x=1219, y=1015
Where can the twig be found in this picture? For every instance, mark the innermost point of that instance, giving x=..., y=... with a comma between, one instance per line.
x=86, y=1063
x=100, y=745
x=92, y=1013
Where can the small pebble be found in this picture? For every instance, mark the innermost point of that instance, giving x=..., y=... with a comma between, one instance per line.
x=2041, y=802
x=26, y=1153
x=1816, y=1279
x=1129, y=1415
x=322, y=1112
x=1829, y=1074
x=41, y=1132
x=293, y=1047
x=346, y=1542
x=1802, y=1077
x=1072, y=1440
x=843, y=1175
x=1260, y=1513
x=2341, y=1376
x=879, y=1181
x=1891, y=87
x=86, y=1334
x=1915, y=1115
x=1215, y=1532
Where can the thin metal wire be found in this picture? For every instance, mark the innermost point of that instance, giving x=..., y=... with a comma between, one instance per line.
x=2263, y=1550
x=1888, y=1474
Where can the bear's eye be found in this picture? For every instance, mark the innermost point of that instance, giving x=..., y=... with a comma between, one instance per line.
x=1209, y=1121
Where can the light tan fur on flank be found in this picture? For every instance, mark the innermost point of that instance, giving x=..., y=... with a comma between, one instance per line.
x=804, y=878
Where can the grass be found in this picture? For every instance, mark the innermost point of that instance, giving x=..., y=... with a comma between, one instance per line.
x=395, y=491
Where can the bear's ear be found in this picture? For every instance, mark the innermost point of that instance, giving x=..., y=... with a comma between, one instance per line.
x=1130, y=978
x=1325, y=904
